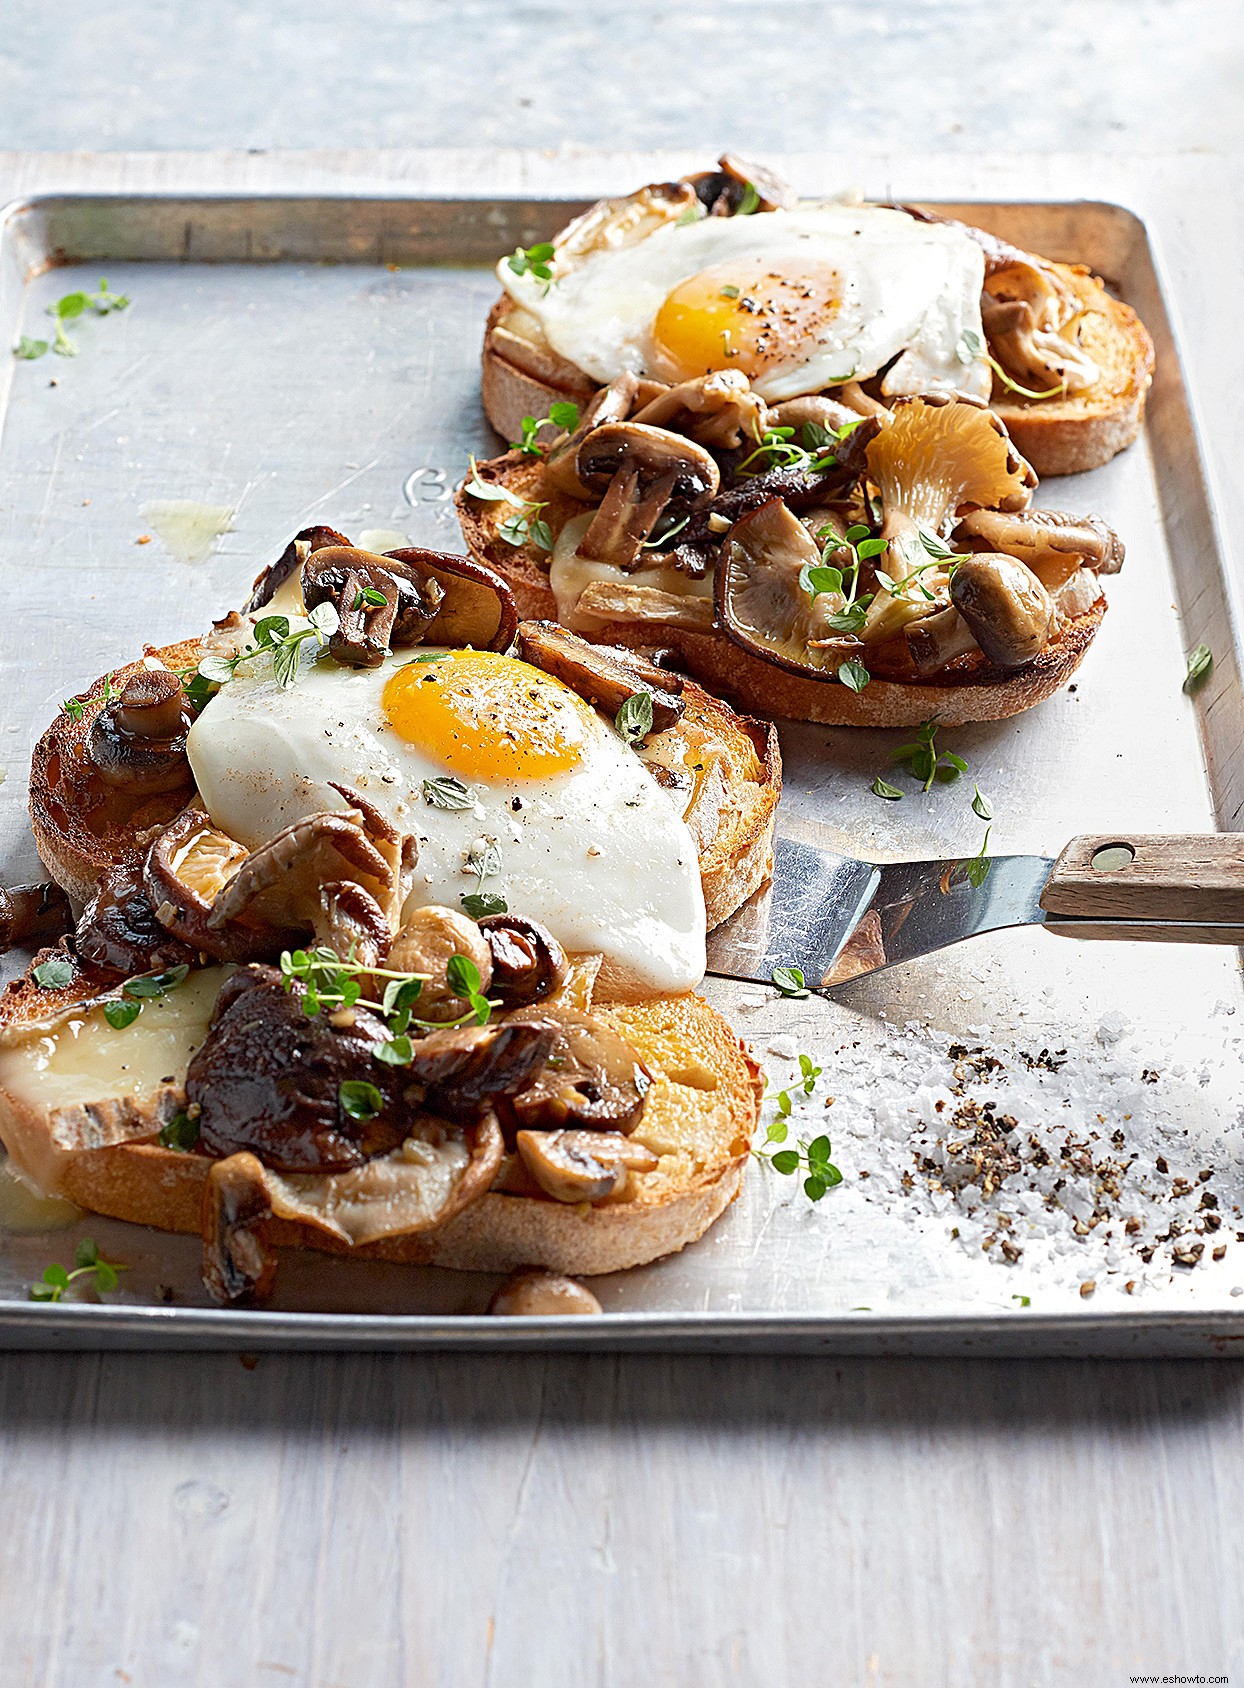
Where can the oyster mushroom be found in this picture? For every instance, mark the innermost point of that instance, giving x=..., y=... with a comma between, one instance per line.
x=718, y=410
x=613, y=403
x=762, y=602
x=1004, y=604
x=535, y=1293
x=428, y=940
x=526, y=962
x=597, y=674
x=33, y=912
x=379, y=603
x=1052, y=543
x=638, y=470
x=1026, y=311
x=138, y=740
x=815, y=408
x=119, y=930
x=239, y=1267
x=582, y=1166
x=591, y=1076
x=477, y=608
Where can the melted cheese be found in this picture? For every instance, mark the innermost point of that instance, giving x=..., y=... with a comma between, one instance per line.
x=570, y=574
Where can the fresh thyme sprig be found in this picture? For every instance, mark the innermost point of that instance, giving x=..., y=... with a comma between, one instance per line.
x=777, y=449
x=483, y=859
x=812, y=1155
x=634, y=719
x=330, y=983
x=1200, y=661
x=87, y=1261
x=564, y=416
x=65, y=309
x=533, y=260
x=971, y=347
x=925, y=762
x=123, y=1010
x=272, y=637
x=524, y=525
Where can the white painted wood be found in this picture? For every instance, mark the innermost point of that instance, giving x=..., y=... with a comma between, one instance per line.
x=351, y=1522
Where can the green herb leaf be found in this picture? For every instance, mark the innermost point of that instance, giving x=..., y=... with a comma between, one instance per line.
x=816, y=580
x=368, y=595
x=480, y=904
x=564, y=415
x=57, y=1276
x=933, y=545
x=86, y=1254
x=785, y=1161
x=401, y=993
x=981, y=805
x=156, y=984
x=854, y=675
x=1024, y=1300
x=69, y=306
x=359, y=1099
x=54, y=973
x=533, y=259
x=105, y=1277
x=181, y=1133
x=634, y=720
x=880, y=788
x=484, y=859
x=74, y=707
x=1200, y=662
x=216, y=669
x=976, y=871
x=777, y=1132
x=750, y=202
x=397, y=1052
x=121, y=1014
x=728, y=292
x=29, y=349
x=789, y=980
x=693, y=214
x=445, y=792
x=462, y=976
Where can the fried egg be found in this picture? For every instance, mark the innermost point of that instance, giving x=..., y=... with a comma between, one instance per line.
x=552, y=810
x=796, y=300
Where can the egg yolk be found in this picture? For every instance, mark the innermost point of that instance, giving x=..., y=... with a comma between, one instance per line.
x=746, y=317
x=488, y=716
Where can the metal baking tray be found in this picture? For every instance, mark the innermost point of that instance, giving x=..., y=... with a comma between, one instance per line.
x=295, y=359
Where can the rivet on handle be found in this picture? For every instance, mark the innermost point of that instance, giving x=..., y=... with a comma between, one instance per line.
x=1111, y=857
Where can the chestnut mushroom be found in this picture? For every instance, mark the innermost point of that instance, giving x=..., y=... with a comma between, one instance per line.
x=599, y=675
x=533, y=1293
x=119, y=931
x=32, y=912
x=269, y=581
x=613, y=403
x=461, y=1071
x=723, y=191
x=427, y=942
x=1053, y=543
x=639, y=470
x=1004, y=604
x=137, y=741
x=239, y=1266
x=581, y=1166
x=591, y=1077
x=526, y=962
x=477, y=608
x=379, y=603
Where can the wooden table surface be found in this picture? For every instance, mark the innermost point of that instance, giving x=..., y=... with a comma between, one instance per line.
x=351, y=1522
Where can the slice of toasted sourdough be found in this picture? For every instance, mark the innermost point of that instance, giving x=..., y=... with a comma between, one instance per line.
x=82, y=1105
x=970, y=689
x=731, y=764
x=1063, y=436
x=522, y=376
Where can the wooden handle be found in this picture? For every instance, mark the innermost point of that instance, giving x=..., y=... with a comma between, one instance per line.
x=1195, y=878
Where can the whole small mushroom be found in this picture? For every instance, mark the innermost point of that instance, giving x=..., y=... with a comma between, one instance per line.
x=532, y=1292
x=637, y=470
x=138, y=740
x=1004, y=604
x=426, y=942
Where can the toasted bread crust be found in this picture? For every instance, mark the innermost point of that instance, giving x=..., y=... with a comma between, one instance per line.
x=1057, y=436
x=699, y=1118
x=967, y=693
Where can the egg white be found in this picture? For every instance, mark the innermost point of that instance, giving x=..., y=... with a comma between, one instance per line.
x=599, y=853
x=909, y=288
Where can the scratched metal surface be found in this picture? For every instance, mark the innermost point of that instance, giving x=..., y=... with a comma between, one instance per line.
x=316, y=360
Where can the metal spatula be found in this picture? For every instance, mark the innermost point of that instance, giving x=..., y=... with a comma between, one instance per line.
x=836, y=918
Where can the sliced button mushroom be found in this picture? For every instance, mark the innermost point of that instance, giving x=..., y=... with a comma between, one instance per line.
x=533, y=1293
x=428, y=940
x=477, y=608
x=239, y=1267
x=582, y=1166
x=719, y=410
x=591, y=1077
x=762, y=603
x=597, y=674
x=639, y=470
x=33, y=912
x=613, y=403
x=1053, y=543
x=936, y=640
x=270, y=580
x=138, y=741
x=526, y=961
x=1004, y=604
x=379, y=603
